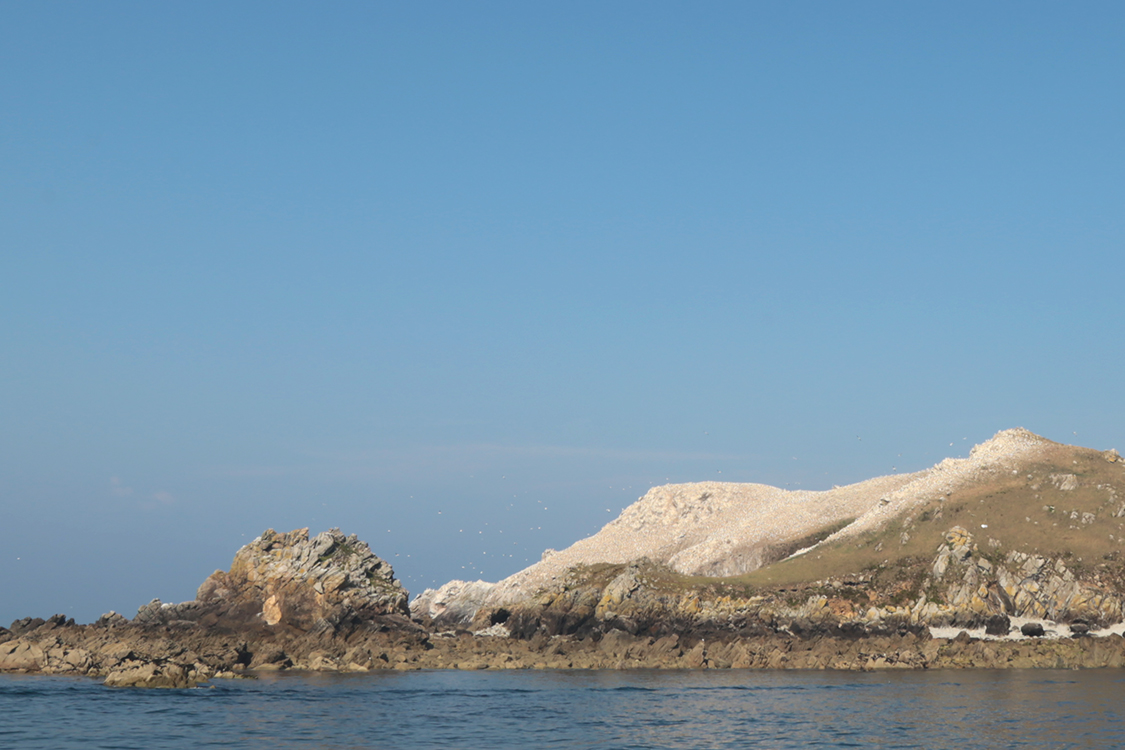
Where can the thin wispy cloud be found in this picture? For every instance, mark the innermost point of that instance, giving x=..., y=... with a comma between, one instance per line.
x=164, y=497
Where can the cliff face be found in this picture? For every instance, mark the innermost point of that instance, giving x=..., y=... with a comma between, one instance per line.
x=1023, y=585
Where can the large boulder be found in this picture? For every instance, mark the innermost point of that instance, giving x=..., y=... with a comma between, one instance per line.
x=21, y=656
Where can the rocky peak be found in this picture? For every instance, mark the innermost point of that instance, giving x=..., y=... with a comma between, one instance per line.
x=318, y=583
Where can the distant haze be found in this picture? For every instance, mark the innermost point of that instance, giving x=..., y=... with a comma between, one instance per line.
x=468, y=279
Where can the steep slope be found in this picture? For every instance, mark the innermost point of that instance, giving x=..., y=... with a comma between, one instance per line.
x=744, y=532
x=1058, y=502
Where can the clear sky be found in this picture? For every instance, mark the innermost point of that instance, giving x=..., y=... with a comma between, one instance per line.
x=466, y=279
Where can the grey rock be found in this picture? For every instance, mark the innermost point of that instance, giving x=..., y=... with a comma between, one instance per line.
x=149, y=613
x=25, y=625
x=324, y=584
x=453, y=605
x=111, y=619
x=997, y=625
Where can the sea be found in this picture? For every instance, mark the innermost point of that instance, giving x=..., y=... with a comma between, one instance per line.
x=578, y=709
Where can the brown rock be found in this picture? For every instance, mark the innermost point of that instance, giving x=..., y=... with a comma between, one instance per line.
x=151, y=675
x=26, y=625
x=696, y=658
x=322, y=584
x=270, y=657
x=21, y=656
x=616, y=643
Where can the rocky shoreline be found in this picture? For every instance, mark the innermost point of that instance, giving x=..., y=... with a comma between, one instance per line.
x=329, y=604
x=1017, y=564
x=166, y=656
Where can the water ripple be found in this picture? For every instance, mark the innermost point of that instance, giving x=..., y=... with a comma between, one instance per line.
x=576, y=709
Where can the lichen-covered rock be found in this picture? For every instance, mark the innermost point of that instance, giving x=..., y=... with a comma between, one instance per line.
x=1022, y=585
x=319, y=584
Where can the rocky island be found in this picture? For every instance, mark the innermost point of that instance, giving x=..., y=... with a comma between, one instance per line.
x=1012, y=557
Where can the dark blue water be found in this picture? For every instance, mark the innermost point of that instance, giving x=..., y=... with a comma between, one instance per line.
x=729, y=709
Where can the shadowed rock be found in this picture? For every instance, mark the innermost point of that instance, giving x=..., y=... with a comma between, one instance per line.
x=998, y=624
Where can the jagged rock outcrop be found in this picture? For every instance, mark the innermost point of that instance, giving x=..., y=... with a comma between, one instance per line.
x=123, y=654
x=111, y=619
x=288, y=600
x=320, y=583
x=1021, y=585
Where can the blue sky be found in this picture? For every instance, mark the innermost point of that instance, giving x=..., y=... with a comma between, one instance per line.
x=466, y=279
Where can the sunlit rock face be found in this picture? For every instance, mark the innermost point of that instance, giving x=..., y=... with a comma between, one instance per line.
x=1048, y=520
x=318, y=583
x=453, y=605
